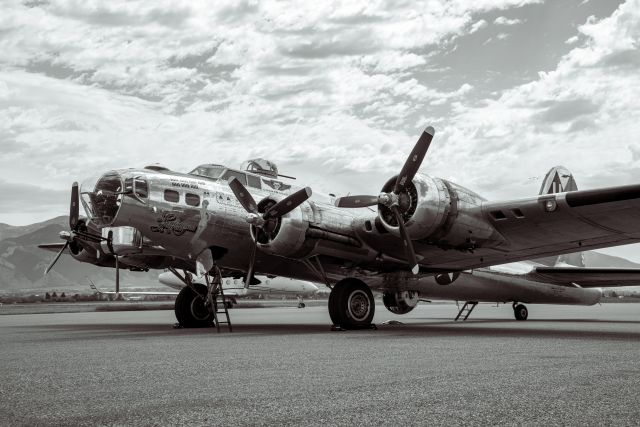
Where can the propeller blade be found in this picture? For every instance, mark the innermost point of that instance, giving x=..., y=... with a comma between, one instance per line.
x=250, y=270
x=408, y=245
x=287, y=204
x=415, y=159
x=243, y=195
x=74, y=209
x=56, y=259
x=356, y=201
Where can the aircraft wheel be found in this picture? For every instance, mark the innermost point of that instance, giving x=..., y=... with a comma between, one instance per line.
x=190, y=308
x=351, y=304
x=302, y=305
x=520, y=312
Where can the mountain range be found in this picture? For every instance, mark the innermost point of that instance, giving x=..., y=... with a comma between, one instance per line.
x=22, y=263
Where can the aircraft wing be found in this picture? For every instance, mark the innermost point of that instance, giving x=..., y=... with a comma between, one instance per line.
x=586, y=277
x=550, y=224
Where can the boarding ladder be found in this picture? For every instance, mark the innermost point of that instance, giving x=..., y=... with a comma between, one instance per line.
x=219, y=303
x=466, y=310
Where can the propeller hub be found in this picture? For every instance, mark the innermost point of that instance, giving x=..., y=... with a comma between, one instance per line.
x=65, y=235
x=388, y=199
x=255, y=220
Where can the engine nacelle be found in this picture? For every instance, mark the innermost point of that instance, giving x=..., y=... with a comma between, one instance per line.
x=400, y=302
x=439, y=212
x=425, y=204
x=81, y=254
x=283, y=236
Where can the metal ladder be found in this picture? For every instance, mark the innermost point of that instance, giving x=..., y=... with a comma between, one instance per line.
x=466, y=309
x=219, y=307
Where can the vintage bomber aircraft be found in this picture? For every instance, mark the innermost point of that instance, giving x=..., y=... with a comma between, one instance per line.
x=426, y=230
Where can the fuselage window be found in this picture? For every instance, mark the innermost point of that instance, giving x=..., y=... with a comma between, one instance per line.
x=171, y=196
x=253, y=181
x=229, y=173
x=192, y=199
x=141, y=188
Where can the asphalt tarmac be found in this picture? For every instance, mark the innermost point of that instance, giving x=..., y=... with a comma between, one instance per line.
x=284, y=366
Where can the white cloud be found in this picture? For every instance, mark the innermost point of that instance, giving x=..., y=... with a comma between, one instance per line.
x=572, y=40
x=338, y=87
x=503, y=20
x=477, y=26
x=584, y=114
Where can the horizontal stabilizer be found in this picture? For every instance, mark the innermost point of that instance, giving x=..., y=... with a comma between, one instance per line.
x=585, y=277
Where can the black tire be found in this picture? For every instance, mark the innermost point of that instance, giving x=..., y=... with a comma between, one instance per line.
x=351, y=304
x=190, y=308
x=520, y=312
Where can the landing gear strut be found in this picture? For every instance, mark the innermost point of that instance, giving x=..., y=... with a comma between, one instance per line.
x=351, y=305
x=520, y=311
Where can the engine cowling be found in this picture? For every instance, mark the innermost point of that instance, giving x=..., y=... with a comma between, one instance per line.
x=424, y=204
x=283, y=236
x=400, y=302
x=439, y=212
x=80, y=253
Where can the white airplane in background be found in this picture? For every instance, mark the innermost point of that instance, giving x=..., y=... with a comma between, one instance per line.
x=234, y=288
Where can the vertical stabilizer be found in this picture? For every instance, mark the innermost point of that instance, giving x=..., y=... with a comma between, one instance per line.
x=558, y=180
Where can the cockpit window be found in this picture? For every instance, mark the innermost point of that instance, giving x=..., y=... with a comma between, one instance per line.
x=208, y=171
x=230, y=172
x=136, y=187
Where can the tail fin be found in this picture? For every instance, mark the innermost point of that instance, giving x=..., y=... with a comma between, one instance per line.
x=558, y=180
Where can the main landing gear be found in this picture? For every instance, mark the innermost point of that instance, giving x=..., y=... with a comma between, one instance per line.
x=198, y=306
x=520, y=311
x=351, y=305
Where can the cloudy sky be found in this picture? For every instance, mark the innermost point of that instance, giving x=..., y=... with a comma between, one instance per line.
x=335, y=93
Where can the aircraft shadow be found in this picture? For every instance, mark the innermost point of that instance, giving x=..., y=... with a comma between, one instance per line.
x=477, y=328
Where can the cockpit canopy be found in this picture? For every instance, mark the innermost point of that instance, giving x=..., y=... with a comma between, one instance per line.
x=209, y=171
x=261, y=167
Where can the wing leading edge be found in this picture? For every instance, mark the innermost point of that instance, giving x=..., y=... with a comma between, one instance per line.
x=564, y=222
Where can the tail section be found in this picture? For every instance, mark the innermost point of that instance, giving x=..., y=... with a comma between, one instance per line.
x=560, y=180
